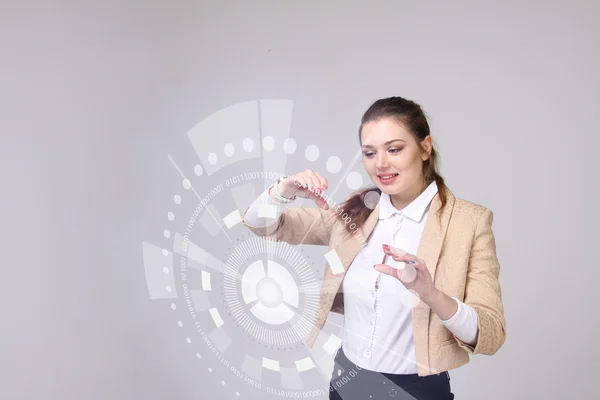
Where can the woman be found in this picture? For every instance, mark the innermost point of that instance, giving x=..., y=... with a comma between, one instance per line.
x=412, y=268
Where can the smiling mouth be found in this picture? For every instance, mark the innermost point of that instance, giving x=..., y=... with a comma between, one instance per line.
x=387, y=179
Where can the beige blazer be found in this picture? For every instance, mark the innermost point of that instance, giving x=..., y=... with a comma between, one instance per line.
x=460, y=253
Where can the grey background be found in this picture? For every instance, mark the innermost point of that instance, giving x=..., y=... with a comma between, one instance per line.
x=93, y=97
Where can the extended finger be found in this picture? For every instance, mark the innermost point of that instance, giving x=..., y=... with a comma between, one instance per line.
x=323, y=180
x=405, y=259
x=320, y=201
x=395, y=251
x=313, y=180
x=386, y=269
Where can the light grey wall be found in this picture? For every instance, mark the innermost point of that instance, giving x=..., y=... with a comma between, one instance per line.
x=94, y=96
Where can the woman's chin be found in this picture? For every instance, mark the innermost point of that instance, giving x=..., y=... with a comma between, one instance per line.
x=388, y=189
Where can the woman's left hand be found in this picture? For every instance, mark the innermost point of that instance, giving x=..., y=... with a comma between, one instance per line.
x=414, y=276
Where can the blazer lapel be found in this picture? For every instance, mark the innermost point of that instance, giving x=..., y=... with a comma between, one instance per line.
x=346, y=250
x=434, y=232
x=350, y=246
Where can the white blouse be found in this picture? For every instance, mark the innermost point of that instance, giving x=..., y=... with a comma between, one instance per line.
x=378, y=333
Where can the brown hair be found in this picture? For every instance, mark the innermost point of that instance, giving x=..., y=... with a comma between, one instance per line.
x=413, y=118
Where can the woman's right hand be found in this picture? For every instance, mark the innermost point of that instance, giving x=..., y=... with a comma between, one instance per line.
x=307, y=184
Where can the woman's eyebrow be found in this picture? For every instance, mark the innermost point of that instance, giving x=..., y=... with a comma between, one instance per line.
x=388, y=142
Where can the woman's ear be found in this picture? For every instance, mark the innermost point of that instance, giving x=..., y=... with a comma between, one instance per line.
x=426, y=146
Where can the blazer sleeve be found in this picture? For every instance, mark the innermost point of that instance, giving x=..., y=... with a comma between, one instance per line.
x=483, y=292
x=296, y=225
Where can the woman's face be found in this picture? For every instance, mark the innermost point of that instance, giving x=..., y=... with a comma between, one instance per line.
x=393, y=158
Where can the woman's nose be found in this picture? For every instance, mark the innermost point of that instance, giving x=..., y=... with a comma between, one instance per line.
x=381, y=162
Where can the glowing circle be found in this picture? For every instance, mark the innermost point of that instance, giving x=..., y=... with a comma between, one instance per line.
x=212, y=158
x=229, y=150
x=371, y=199
x=269, y=292
x=410, y=298
x=334, y=164
x=312, y=153
x=290, y=146
x=354, y=180
x=268, y=143
x=248, y=145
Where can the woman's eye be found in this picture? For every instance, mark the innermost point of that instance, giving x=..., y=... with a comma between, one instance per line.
x=394, y=150
x=368, y=154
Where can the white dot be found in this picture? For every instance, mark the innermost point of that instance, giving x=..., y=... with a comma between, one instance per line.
x=167, y=234
x=237, y=393
x=311, y=153
x=410, y=298
x=198, y=355
x=289, y=146
x=229, y=150
x=334, y=164
x=166, y=270
x=354, y=180
x=371, y=199
x=165, y=252
x=168, y=288
x=212, y=158
x=268, y=143
x=407, y=274
x=222, y=382
x=188, y=340
x=248, y=145
x=209, y=369
x=179, y=324
x=173, y=306
x=177, y=199
x=198, y=169
x=170, y=216
x=186, y=184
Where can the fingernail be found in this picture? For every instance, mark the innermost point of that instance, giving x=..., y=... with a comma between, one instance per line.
x=411, y=261
x=306, y=185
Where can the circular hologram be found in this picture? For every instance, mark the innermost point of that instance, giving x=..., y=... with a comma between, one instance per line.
x=271, y=291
